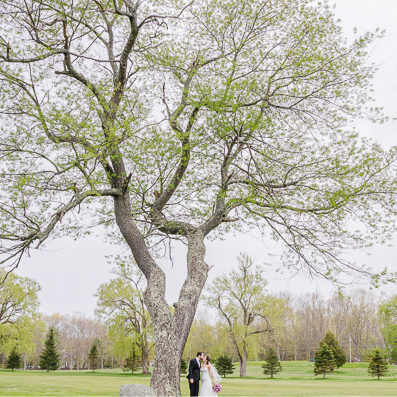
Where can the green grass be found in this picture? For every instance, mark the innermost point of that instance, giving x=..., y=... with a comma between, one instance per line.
x=296, y=379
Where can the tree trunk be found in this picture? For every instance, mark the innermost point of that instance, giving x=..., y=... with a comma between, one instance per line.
x=170, y=343
x=243, y=363
x=294, y=350
x=170, y=329
x=243, y=367
x=166, y=372
x=145, y=359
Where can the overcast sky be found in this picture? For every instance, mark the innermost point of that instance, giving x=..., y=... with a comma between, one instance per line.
x=70, y=272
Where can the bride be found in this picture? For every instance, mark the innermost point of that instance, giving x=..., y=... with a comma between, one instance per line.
x=209, y=377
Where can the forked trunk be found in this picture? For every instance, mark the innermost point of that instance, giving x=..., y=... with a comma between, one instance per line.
x=170, y=342
x=170, y=329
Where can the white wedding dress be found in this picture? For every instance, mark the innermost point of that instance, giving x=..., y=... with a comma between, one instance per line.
x=206, y=389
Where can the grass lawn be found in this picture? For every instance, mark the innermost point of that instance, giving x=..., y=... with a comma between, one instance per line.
x=296, y=379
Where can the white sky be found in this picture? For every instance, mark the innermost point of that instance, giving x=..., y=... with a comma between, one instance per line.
x=70, y=272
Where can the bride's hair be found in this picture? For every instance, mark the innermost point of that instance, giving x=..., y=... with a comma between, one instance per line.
x=207, y=359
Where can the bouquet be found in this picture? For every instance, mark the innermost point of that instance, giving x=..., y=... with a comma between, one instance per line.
x=217, y=388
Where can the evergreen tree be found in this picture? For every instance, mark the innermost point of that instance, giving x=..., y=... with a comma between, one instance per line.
x=93, y=356
x=14, y=360
x=272, y=363
x=324, y=360
x=393, y=354
x=378, y=365
x=333, y=344
x=224, y=365
x=183, y=366
x=49, y=358
x=132, y=361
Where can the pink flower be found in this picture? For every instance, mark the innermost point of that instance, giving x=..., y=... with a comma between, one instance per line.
x=217, y=388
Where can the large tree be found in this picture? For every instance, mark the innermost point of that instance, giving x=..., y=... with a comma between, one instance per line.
x=19, y=319
x=18, y=297
x=121, y=301
x=240, y=299
x=24, y=335
x=173, y=119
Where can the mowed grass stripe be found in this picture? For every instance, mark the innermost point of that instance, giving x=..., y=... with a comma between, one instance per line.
x=296, y=379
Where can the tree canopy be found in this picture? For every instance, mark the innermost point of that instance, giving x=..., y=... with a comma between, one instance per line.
x=18, y=297
x=260, y=92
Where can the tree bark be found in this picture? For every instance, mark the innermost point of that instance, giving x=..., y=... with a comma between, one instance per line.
x=166, y=379
x=170, y=343
x=243, y=364
x=145, y=358
x=170, y=330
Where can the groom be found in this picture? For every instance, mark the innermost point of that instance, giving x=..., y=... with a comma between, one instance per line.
x=194, y=374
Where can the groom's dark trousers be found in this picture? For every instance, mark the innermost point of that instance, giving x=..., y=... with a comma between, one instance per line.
x=194, y=373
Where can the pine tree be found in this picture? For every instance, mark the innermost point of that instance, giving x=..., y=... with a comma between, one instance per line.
x=324, y=360
x=132, y=361
x=14, y=360
x=49, y=358
x=224, y=365
x=93, y=357
x=378, y=365
x=272, y=365
x=183, y=366
x=333, y=344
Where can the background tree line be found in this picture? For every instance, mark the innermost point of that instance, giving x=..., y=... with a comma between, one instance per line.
x=249, y=322
x=298, y=324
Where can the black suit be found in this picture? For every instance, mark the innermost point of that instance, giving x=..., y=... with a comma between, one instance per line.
x=194, y=373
